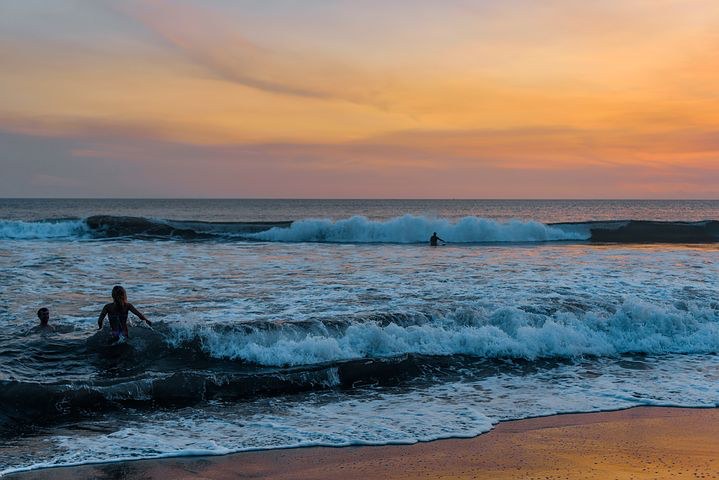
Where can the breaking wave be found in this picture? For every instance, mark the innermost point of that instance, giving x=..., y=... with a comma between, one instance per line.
x=413, y=229
x=195, y=362
x=407, y=229
x=49, y=229
x=633, y=327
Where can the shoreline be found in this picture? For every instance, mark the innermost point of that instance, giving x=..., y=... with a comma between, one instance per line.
x=639, y=442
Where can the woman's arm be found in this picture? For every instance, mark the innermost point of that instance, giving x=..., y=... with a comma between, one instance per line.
x=102, y=317
x=138, y=314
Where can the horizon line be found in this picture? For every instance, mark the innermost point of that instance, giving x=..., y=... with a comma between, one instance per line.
x=607, y=199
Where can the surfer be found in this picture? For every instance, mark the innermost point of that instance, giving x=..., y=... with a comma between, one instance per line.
x=434, y=239
x=44, y=315
x=117, y=313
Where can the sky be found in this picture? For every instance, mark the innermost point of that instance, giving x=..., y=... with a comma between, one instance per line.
x=359, y=99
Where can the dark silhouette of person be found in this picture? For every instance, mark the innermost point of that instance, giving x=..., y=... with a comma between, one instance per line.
x=434, y=239
x=117, y=313
x=44, y=315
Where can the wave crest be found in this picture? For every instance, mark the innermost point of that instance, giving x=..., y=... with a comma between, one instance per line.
x=22, y=230
x=407, y=229
x=415, y=229
x=635, y=327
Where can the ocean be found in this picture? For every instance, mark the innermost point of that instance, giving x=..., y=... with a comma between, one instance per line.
x=288, y=323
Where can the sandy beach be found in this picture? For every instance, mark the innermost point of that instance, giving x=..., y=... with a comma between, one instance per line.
x=638, y=443
x=459, y=239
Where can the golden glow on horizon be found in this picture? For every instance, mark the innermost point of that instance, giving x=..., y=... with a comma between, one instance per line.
x=562, y=84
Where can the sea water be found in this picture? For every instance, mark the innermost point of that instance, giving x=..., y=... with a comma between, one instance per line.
x=285, y=323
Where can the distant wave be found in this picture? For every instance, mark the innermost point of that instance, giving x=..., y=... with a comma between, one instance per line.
x=414, y=229
x=407, y=229
x=48, y=229
x=106, y=226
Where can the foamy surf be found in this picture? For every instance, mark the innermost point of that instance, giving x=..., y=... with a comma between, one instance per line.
x=414, y=229
x=406, y=229
x=389, y=417
x=341, y=330
x=633, y=326
x=48, y=229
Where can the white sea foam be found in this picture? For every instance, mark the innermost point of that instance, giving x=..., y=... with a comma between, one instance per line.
x=416, y=229
x=635, y=326
x=21, y=230
x=309, y=303
x=373, y=420
x=459, y=409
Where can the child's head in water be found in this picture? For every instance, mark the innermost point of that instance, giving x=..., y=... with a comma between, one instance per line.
x=44, y=315
x=119, y=295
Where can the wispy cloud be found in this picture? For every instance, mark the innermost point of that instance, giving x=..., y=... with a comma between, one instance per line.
x=216, y=43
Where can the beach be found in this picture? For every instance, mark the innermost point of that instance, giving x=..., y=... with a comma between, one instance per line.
x=637, y=443
x=359, y=240
x=331, y=329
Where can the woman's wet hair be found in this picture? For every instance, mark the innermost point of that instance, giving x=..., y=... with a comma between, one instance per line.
x=119, y=296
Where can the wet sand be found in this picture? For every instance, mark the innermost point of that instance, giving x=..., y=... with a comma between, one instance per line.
x=639, y=443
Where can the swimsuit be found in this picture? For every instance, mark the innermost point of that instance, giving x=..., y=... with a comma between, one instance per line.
x=118, y=323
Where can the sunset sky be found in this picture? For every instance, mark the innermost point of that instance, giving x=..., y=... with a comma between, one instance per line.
x=390, y=99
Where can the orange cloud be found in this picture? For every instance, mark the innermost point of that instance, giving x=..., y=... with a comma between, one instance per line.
x=216, y=43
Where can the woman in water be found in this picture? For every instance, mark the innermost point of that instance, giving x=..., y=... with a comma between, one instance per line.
x=117, y=313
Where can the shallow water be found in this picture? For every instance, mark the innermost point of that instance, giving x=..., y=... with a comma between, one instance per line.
x=264, y=343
